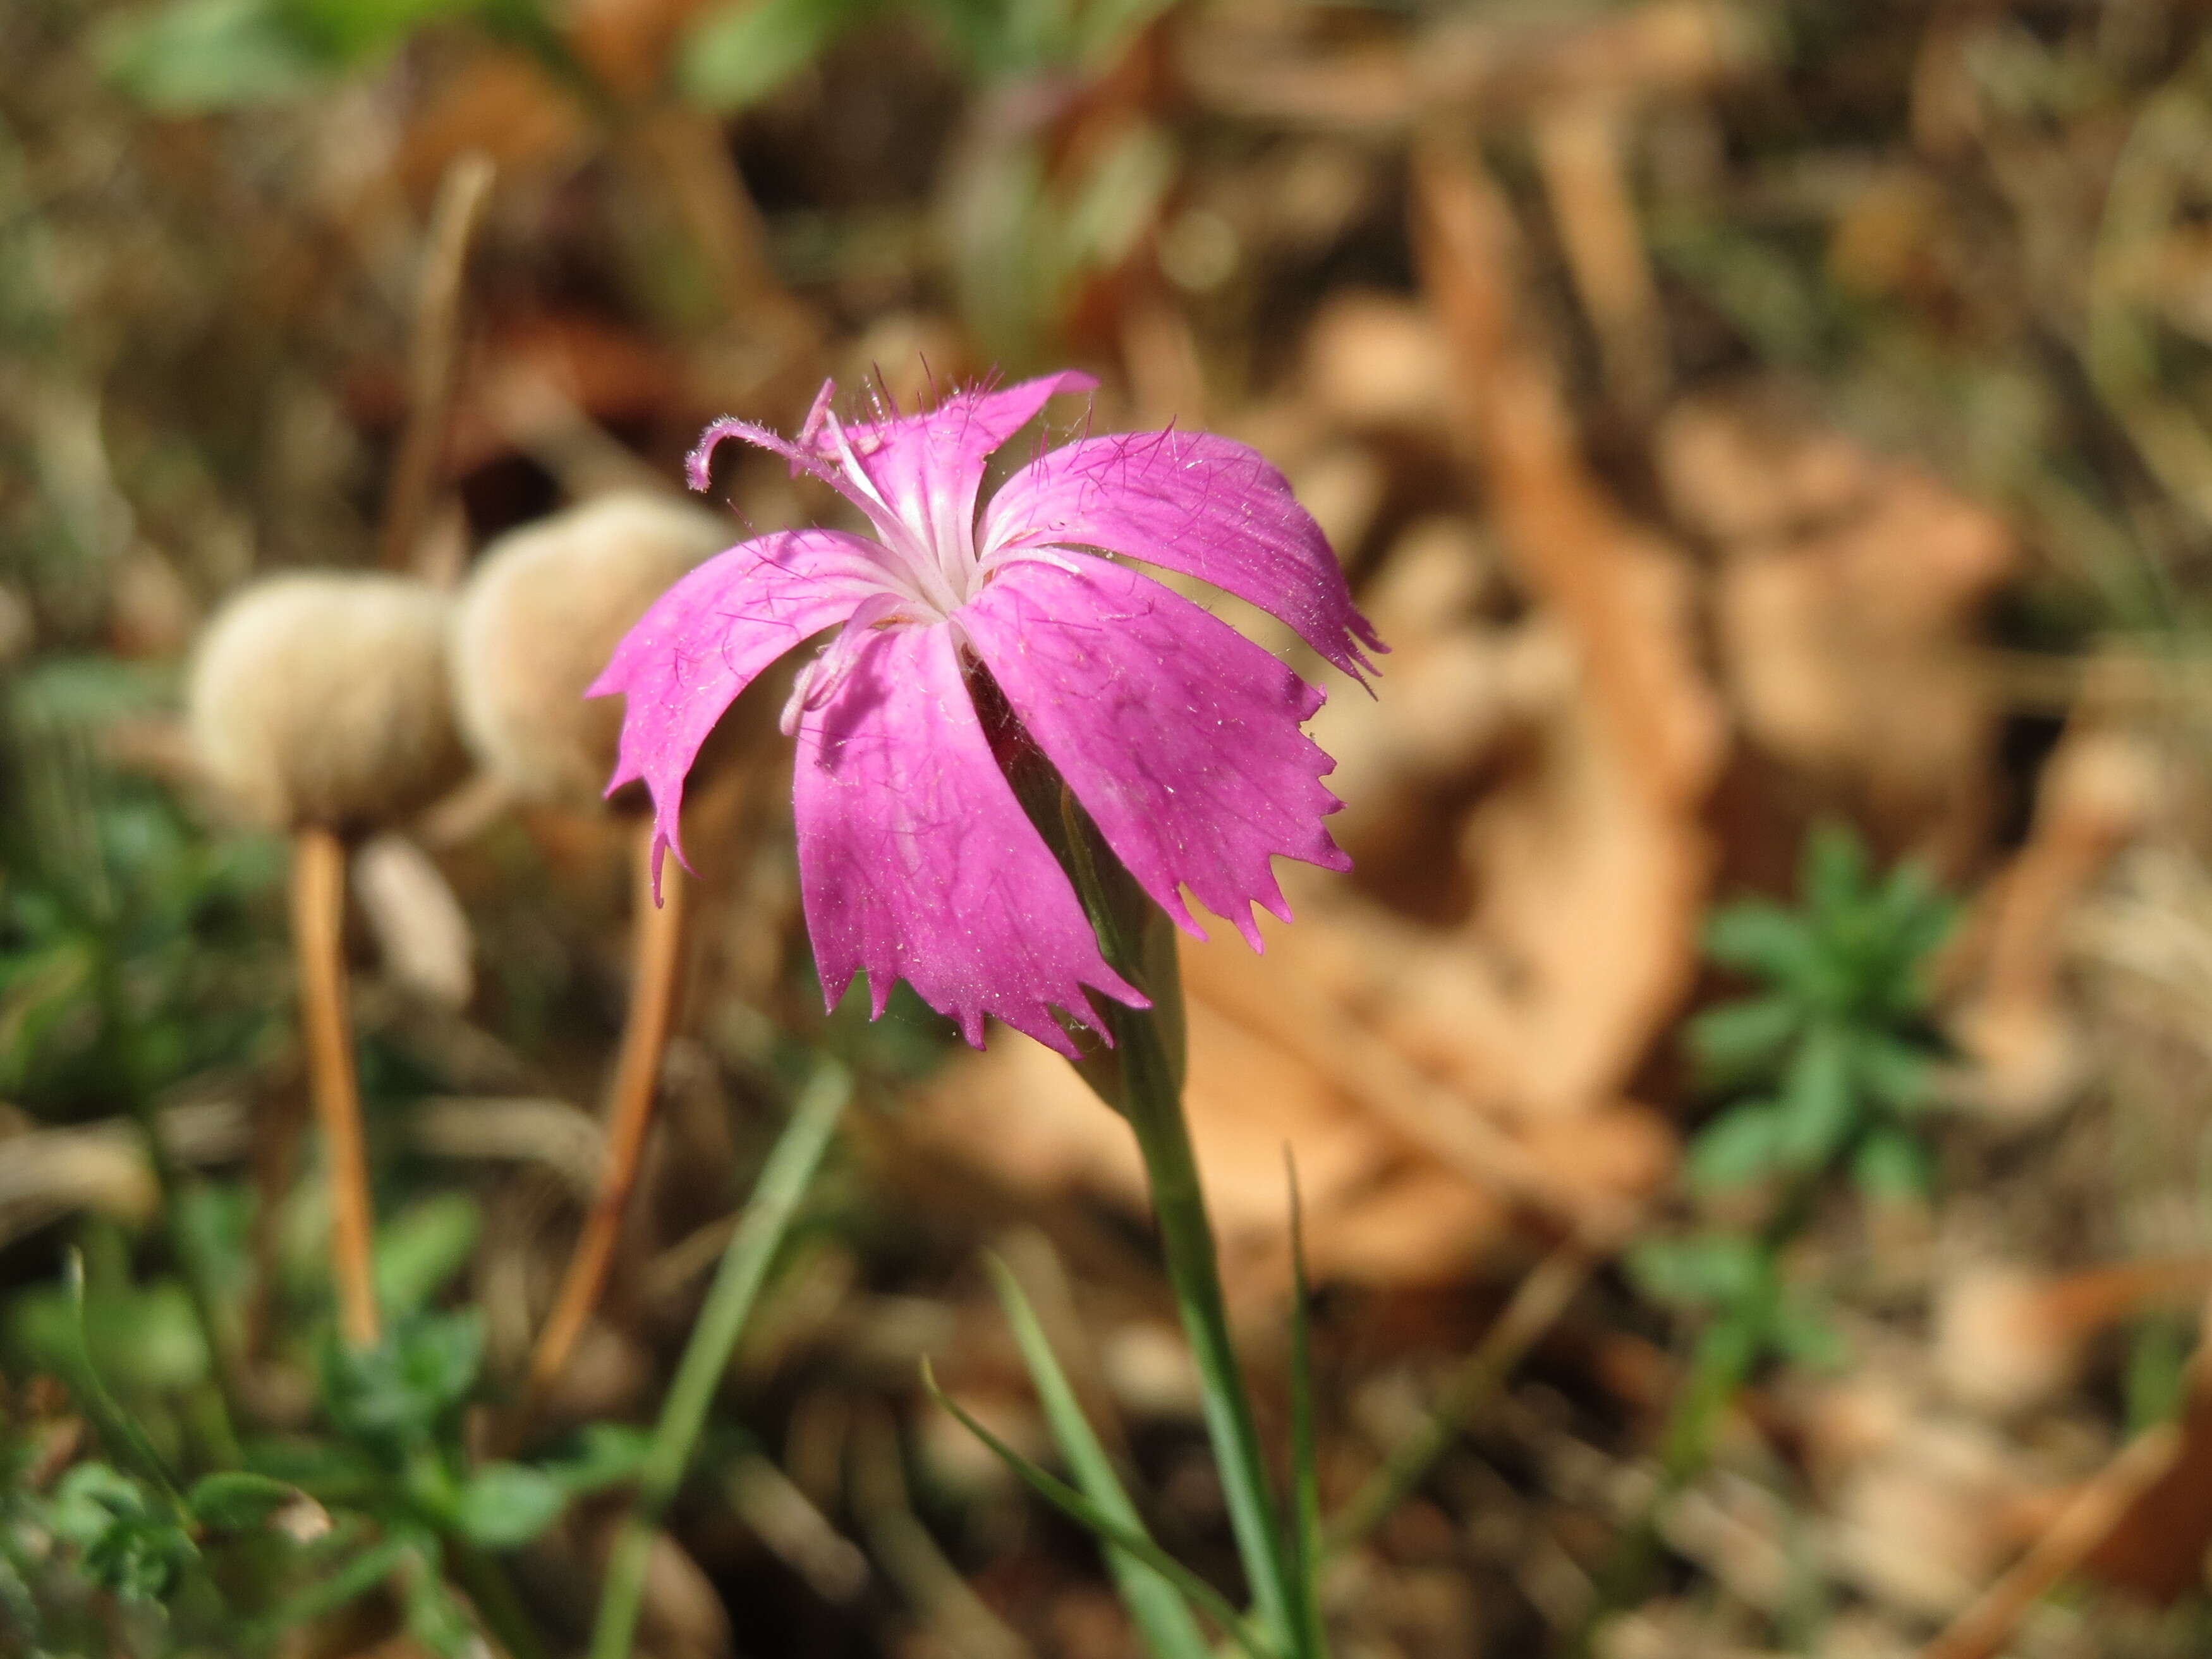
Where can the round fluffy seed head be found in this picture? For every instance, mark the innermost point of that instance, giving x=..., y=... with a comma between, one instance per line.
x=321, y=698
x=542, y=613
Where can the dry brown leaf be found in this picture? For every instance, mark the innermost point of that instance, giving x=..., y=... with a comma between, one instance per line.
x=1848, y=603
x=2098, y=793
x=1924, y=1524
x=1500, y=70
x=1374, y=359
x=1021, y=1111
x=1588, y=861
x=1403, y=1180
x=2007, y=1338
x=627, y=43
x=502, y=104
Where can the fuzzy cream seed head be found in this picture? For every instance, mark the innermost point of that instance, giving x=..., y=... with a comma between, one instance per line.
x=321, y=698
x=540, y=616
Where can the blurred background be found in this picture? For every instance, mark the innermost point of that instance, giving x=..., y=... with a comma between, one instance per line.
x=1754, y=427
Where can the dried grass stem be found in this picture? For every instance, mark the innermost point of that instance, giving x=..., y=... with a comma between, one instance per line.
x=318, y=863
x=659, y=960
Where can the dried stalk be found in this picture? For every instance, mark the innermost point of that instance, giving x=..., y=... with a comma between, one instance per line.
x=1984, y=1627
x=434, y=354
x=1582, y=152
x=659, y=956
x=318, y=867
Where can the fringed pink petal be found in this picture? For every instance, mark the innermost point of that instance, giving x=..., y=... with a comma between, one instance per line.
x=916, y=862
x=929, y=467
x=704, y=640
x=1195, y=503
x=1179, y=736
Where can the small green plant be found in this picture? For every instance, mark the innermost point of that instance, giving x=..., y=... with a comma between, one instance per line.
x=384, y=1498
x=1829, y=1066
x=1830, y=1063
x=1833, y=1055
x=380, y=1496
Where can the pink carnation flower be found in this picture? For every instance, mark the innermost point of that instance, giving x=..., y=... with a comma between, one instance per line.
x=1179, y=736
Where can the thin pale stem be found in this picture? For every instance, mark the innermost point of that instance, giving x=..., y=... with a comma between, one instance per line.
x=660, y=965
x=1984, y=1627
x=783, y=1183
x=318, y=872
x=434, y=354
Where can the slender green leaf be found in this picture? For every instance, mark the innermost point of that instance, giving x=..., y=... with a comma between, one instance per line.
x=1801, y=1334
x=1917, y=915
x=504, y=1506
x=598, y=1456
x=1106, y=29
x=1080, y=1510
x=194, y=56
x=1153, y=1601
x=1899, y=1075
x=1739, y=1041
x=349, y=1583
x=1708, y=1270
x=783, y=1183
x=348, y=31
x=1740, y=1146
x=2156, y=1380
x=419, y=1250
x=117, y=1428
x=339, y=1472
x=235, y=1500
x=1819, y=1105
x=1759, y=936
x=736, y=55
x=436, y=1619
x=1890, y=1163
x=1834, y=871
x=1307, y=1548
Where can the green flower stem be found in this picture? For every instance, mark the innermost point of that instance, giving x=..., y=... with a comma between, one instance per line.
x=1142, y=1077
x=1153, y=1103
x=783, y=1183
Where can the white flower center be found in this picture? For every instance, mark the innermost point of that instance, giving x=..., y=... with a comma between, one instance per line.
x=930, y=540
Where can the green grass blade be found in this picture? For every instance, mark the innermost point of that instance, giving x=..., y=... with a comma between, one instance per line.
x=783, y=1182
x=355, y=1579
x=1076, y=1507
x=1307, y=1547
x=118, y=1429
x=1153, y=1601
